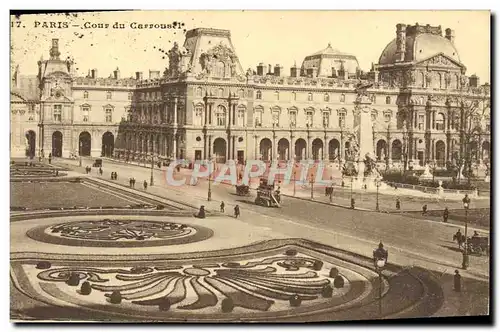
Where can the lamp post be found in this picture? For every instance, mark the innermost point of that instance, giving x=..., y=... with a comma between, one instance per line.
x=380, y=259
x=312, y=186
x=465, y=256
x=294, y=180
x=351, y=187
x=377, y=183
x=151, y=182
x=210, y=170
x=405, y=146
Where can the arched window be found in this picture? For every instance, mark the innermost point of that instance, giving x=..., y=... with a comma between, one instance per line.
x=85, y=94
x=326, y=97
x=387, y=100
x=342, y=98
x=309, y=97
x=220, y=69
x=108, y=95
x=440, y=121
x=276, y=95
x=258, y=94
x=220, y=116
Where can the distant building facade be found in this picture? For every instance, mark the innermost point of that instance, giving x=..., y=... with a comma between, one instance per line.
x=205, y=106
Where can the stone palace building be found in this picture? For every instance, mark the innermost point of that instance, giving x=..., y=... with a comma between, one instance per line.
x=205, y=106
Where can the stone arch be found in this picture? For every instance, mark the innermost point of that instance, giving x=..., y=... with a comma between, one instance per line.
x=108, y=144
x=265, y=148
x=397, y=150
x=381, y=149
x=84, y=143
x=57, y=144
x=220, y=150
x=300, y=149
x=30, y=143
x=333, y=149
x=317, y=149
x=283, y=149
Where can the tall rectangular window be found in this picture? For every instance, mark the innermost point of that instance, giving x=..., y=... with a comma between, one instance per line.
x=341, y=119
x=326, y=119
x=293, y=119
x=58, y=113
x=421, y=122
x=108, y=95
x=85, y=113
x=109, y=115
x=309, y=118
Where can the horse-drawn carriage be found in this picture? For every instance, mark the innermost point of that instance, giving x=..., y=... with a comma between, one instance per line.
x=266, y=195
x=475, y=245
x=242, y=190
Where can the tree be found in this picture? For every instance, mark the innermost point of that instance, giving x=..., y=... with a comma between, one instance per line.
x=473, y=105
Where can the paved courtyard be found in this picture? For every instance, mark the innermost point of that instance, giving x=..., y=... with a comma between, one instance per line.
x=306, y=261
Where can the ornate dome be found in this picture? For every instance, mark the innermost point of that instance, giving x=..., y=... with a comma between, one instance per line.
x=329, y=58
x=420, y=46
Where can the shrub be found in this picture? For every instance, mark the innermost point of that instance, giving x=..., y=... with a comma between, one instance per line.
x=291, y=252
x=327, y=291
x=338, y=282
x=73, y=279
x=116, y=297
x=295, y=300
x=227, y=305
x=317, y=265
x=86, y=288
x=160, y=207
x=43, y=265
x=164, y=304
x=334, y=272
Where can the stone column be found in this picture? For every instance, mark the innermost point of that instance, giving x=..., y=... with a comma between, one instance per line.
x=234, y=114
x=228, y=147
x=234, y=147
x=209, y=147
x=291, y=148
x=175, y=110
x=389, y=149
x=308, y=147
x=210, y=115
x=256, y=138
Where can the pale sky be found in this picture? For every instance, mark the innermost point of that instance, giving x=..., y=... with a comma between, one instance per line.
x=272, y=37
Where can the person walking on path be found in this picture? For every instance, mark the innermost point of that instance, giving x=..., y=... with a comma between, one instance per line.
x=133, y=183
x=50, y=159
x=222, y=205
x=445, y=214
x=424, y=209
x=353, y=203
x=457, y=281
x=236, y=211
x=100, y=170
x=145, y=184
x=130, y=182
x=398, y=204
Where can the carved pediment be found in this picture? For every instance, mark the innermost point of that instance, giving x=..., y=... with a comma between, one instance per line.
x=441, y=60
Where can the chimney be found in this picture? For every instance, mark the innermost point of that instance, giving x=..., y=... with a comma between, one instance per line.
x=154, y=74
x=270, y=70
x=293, y=71
x=400, y=42
x=93, y=73
x=342, y=73
x=138, y=75
x=334, y=72
x=54, y=51
x=474, y=81
x=278, y=70
x=260, y=69
x=116, y=74
x=450, y=35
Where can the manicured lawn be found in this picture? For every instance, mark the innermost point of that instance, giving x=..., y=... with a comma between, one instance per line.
x=38, y=195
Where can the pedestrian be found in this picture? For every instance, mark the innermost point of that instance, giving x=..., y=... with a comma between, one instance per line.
x=353, y=203
x=116, y=176
x=424, y=209
x=343, y=184
x=57, y=172
x=100, y=170
x=145, y=184
x=398, y=204
x=222, y=206
x=130, y=182
x=133, y=183
x=466, y=201
x=201, y=213
x=236, y=211
x=445, y=214
x=112, y=175
x=50, y=158
x=457, y=282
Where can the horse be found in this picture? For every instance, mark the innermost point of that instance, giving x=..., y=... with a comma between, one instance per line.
x=460, y=238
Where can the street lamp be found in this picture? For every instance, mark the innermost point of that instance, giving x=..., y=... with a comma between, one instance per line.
x=294, y=180
x=380, y=259
x=210, y=170
x=151, y=182
x=377, y=183
x=465, y=257
x=405, y=146
x=312, y=186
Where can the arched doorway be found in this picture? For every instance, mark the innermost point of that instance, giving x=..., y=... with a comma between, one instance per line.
x=381, y=149
x=486, y=150
x=333, y=149
x=440, y=153
x=84, y=144
x=317, y=149
x=300, y=149
x=108, y=144
x=57, y=143
x=220, y=150
x=30, y=143
x=266, y=149
x=283, y=149
x=397, y=149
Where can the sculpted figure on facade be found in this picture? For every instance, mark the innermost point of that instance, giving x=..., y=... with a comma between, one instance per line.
x=428, y=77
x=174, y=56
